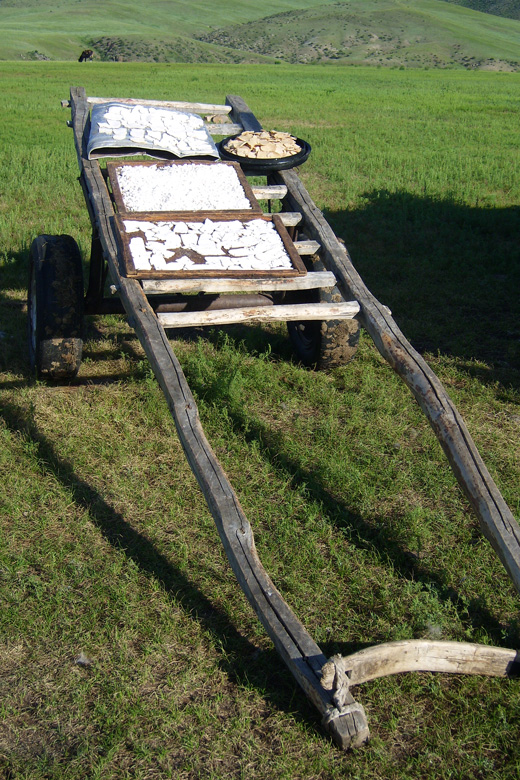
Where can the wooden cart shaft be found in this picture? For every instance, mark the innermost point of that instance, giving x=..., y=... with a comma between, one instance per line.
x=346, y=721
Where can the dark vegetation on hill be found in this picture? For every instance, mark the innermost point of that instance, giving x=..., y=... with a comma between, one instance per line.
x=507, y=8
x=181, y=49
x=356, y=34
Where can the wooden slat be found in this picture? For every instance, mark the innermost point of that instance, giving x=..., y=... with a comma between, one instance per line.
x=281, y=313
x=295, y=645
x=221, y=129
x=290, y=218
x=311, y=281
x=307, y=247
x=269, y=192
x=180, y=105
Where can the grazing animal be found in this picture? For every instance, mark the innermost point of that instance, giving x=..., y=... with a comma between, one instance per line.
x=85, y=55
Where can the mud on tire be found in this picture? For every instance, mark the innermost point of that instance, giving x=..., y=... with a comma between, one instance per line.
x=325, y=345
x=55, y=307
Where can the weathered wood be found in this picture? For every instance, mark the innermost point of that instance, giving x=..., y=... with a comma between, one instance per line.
x=290, y=218
x=496, y=519
x=242, y=114
x=281, y=313
x=295, y=268
x=179, y=105
x=307, y=247
x=223, y=129
x=269, y=191
x=301, y=654
x=311, y=281
x=427, y=656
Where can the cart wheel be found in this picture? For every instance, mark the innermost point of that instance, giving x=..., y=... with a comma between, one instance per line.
x=325, y=345
x=55, y=307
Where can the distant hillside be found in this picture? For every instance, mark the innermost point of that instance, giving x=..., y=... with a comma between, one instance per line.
x=60, y=29
x=387, y=33
x=507, y=8
x=426, y=33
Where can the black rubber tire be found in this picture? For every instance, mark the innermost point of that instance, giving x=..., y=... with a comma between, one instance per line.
x=325, y=345
x=55, y=307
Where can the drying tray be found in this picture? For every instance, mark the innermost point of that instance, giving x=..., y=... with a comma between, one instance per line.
x=114, y=167
x=263, y=166
x=297, y=267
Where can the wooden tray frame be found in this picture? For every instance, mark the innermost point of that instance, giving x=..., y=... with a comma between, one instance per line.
x=298, y=268
x=113, y=166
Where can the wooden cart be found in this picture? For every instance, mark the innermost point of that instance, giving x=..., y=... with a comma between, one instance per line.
x=330, y=291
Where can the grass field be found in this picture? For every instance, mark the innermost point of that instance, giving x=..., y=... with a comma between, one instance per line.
x=108, y=553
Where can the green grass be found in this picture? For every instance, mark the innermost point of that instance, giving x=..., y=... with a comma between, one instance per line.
x=106, y=545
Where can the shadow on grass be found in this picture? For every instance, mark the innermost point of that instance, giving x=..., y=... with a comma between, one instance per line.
x=241, y=660
x=13, y=318
x=449, y=272
x=375, y=536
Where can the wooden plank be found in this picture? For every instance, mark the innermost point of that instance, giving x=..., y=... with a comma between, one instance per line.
x=297, y=648
x=242, y=114
x=179, y=105
x=281, y=313
x=269, y=192
x=311, y=281
x=223, y=129
x=496, y=519
x=290, y=218
x=307, y=247
x=426, y=656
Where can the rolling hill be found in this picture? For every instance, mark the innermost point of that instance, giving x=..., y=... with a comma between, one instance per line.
x=386, y=33
x=428, y=33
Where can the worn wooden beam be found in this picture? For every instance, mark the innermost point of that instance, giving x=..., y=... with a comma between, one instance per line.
x=290, y=218
x=496, y=519
x=297, y=648
x=416, y=655
x=269, y=191
x=311, y=281
x=223, y=129
x=281, y=313
x=179, y=105
x=307, y=247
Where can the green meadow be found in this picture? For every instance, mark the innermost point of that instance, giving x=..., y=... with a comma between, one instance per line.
x=127, y=649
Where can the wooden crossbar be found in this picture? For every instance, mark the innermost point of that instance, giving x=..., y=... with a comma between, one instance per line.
x=270, y=192
x=282, y=313
x=311, y=281
x=180, y=105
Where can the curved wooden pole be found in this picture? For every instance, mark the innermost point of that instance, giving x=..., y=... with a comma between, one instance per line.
x=348, y=726
x=417, y=655
x=496, y=519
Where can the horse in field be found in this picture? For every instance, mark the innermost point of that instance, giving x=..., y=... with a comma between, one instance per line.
x=85, y=55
